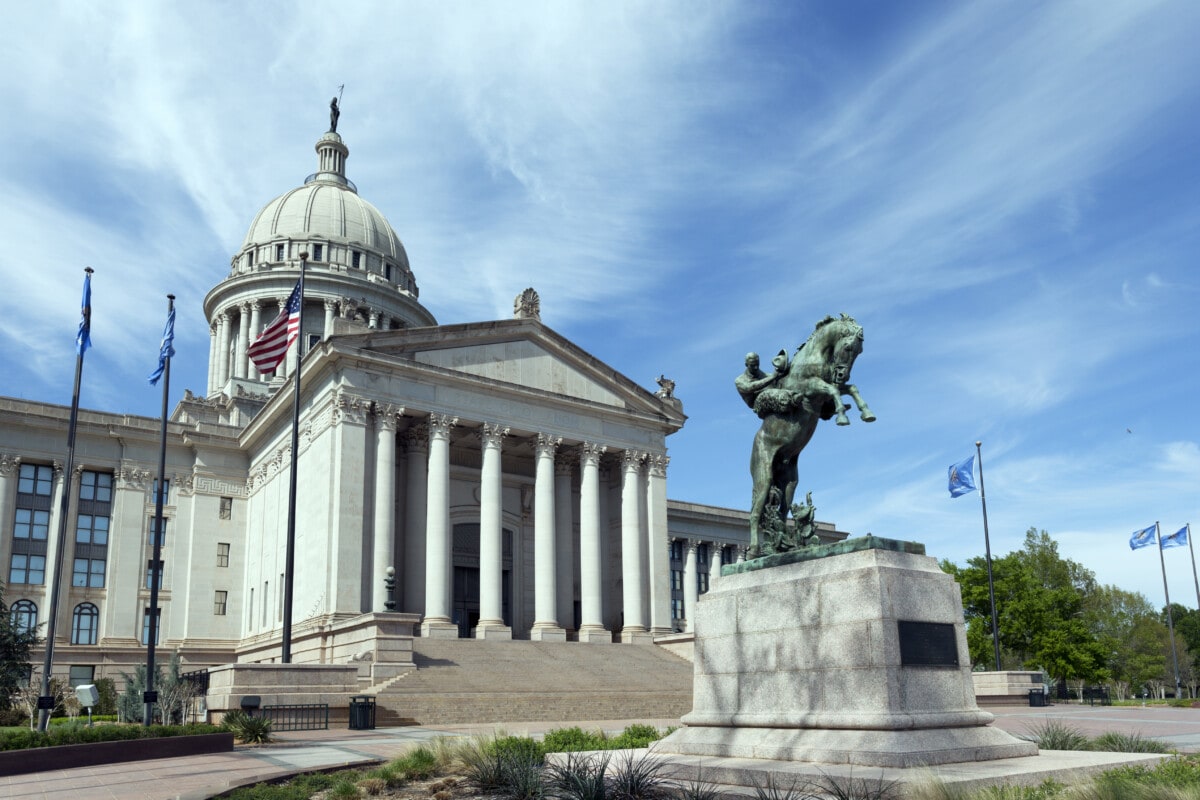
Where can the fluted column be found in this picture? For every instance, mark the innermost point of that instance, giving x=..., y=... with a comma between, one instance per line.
x=690, y=583
x=714, y=563
x=564, y=542
x=213, y=367
x=387, y=417
x=634, y=629
x=416, y=448
x=255, y=330
x=438, y=622
x=330, y=314
x=223, y=333
x=658, y=570
x=10, y=466
x=243, y=342
x=56, y=494
x=591, y=555
x=545, y=591
x=491, y=532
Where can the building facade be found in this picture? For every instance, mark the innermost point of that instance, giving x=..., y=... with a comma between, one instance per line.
x=492, y=479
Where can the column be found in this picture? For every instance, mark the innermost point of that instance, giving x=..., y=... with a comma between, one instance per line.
x=564, y=544
x=691, y=591
x=714, y=563
x=222, y=351
x=239, y=357
x=591, y=555
x=416, y=448
x=255, y=329
x=634, y=629
x=52, y=543
x=438, y=623
x=10, y=466
x=330, y=314
x=545, y=591
x=212, y=358
x=491, y=537
x=658, y=570
x=387, y=417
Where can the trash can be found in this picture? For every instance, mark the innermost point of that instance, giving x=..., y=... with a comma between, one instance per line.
x=362, y=712
x=1037, y=698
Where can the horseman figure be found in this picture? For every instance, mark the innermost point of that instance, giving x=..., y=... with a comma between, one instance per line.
x=802, y=390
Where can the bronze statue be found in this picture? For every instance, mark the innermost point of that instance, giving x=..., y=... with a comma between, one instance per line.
x=801, y=392
x=334, y=113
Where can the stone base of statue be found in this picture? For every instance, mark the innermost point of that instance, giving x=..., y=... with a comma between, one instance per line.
x=847, y=653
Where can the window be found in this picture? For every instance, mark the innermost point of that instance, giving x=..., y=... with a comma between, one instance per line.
x=280, y=251
x=84, y=623
x=89, y=573
x=226, y=508
x=26, y=568
x=153, y=570
x=677, y=580
x=356, y=259
x=31, y=524
x=387, y=271
x=677, y=550
x=96, y=486
x=82, y=675
x=219, y=599
x=146, y=626
x=35, y=479
x=702, y=581
x=677, y=609
x=728, y=554
x=318, y=252
x=23, y=615
x=222, y=554
x=162, y=537
x=250, y=259
x=92, y=529
x=166, y=491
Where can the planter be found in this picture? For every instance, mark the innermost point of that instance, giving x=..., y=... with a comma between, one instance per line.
x=41, y=759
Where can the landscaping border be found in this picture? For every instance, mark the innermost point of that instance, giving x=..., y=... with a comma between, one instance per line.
x=67, y=756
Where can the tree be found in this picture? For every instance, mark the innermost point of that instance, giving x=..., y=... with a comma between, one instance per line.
x=15, y=645
x=1040, y=608
x=1130, y=633
x=174, y=693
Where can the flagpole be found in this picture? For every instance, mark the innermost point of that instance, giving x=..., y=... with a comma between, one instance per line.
x=1170, y=617
x=987, y=546
x=1193, y=551
x=290, y=556
x=150, y=696
x=45, y=700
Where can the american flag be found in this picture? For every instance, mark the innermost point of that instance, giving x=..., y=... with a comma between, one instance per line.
x=269, y=349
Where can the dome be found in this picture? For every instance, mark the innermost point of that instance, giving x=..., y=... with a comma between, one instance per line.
x=327, y=208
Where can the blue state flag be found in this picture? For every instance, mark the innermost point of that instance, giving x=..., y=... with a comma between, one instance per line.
x=83, y=339
x=1142, y=538
x=962, y=477
x=1176, y=539
x=166, y=349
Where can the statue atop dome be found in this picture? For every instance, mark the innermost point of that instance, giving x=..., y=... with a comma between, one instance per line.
x=334, y=113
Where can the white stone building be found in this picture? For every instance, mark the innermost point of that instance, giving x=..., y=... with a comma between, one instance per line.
x=516, y=484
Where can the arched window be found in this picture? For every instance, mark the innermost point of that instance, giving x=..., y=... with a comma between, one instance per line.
x=24, y=615
x=84, y=624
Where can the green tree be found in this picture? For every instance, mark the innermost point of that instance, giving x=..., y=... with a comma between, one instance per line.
x=15, y=647
x=1040, y=604
x=1130, y=634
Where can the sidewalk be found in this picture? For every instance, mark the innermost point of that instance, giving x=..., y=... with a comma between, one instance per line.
x=200, y=777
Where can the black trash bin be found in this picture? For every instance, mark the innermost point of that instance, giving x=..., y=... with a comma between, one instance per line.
x=362, y=712
x=1037, y=698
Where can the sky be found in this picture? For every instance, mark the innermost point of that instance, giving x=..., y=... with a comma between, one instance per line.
x=1006, y=195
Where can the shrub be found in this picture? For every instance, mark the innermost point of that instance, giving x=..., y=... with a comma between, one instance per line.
x=417, y=764
x=1116, y=742
x=372, y=786
x=344, y=789
x=82, y=734
x=516, y=747
x=247, y=729
x=1057, y=736
x=571, y=740
x=638, y=779
x=578, y=777
x=633, y=737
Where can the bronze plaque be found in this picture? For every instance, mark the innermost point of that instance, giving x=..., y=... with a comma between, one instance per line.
x=927, y=644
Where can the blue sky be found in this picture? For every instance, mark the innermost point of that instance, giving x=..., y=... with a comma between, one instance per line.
x=1005, y=195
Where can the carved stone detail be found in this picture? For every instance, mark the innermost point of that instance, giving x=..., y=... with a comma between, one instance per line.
x=350, y=408
x=492, y=434
x=590, y=453
x=9, y=464
x=546, y=444
x=388, y=415
x=656, y=464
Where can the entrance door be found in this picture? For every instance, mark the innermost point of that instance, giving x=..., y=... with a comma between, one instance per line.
x=465, y=603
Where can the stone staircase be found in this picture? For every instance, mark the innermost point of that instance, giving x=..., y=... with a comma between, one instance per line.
x=470, y=681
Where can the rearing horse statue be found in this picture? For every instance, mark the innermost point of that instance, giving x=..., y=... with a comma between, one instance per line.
x=804, y=390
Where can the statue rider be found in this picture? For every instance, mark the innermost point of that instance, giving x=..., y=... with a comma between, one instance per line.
x=754, y=383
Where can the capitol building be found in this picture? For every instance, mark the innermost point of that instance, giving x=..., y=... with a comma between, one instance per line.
x=482, y=480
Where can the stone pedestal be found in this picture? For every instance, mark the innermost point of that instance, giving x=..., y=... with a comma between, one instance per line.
x=851, y=653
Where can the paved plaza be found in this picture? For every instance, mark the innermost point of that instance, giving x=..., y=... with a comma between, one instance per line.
x=199, y=777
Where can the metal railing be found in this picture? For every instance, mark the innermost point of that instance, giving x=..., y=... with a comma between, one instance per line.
x=300, y=717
